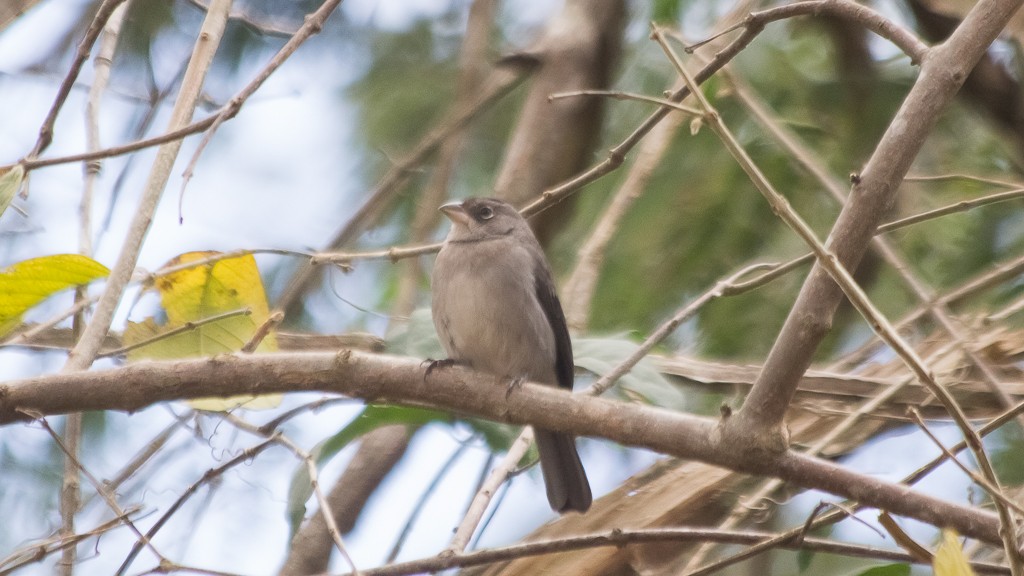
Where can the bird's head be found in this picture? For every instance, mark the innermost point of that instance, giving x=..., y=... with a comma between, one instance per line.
x=476, y=219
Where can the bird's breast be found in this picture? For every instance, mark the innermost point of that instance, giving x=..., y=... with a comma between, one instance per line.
x=487, y=314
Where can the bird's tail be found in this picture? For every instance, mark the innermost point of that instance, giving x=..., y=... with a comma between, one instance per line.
x=566, y=481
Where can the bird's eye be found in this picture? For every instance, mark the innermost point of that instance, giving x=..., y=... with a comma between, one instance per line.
x=485, y=213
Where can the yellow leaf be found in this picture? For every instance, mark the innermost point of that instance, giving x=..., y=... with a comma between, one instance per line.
x=695, y=125
x=10, y=182
x=199, y=293
x=28, y=283
x=949, y=557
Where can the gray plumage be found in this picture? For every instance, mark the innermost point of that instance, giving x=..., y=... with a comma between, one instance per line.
x=496, y=310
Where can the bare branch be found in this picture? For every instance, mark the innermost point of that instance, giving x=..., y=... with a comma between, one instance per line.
x=81, y=55
x=383, y=378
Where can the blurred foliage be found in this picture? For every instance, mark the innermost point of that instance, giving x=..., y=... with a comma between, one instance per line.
x=1006, y=456
x=409, y=80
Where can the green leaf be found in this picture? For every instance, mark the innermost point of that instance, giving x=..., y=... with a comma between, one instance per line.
x=417, y=337
x=498, y=436
x=887, y=570
x=602, y=355
x=372, y=417
x=10, y=183
x=666, y=11
x=803, y=559
x=28, y=283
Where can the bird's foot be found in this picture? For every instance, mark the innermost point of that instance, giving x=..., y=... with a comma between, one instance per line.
x=432, y=364
x=512, y=384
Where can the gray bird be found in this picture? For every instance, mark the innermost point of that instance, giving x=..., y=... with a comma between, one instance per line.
x=495, y=309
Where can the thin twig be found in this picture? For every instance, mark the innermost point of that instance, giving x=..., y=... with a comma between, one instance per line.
x=417, y=508
x=1009, y=310
x=27, y=335
x=314, y=479
x=143, y=455
x=394, y=254
x=170, y=136
x=618, y=95
x=270, y=427
x=482, y=498
x=964, y=177
x=500, y=497
x=721, y=288
x=100, y=489
x=262, y=331
x=961, y=206
x=101, y=65
x=903, y=539
x=149, y=277
x=994, y=491
x=209, y=476
x=243, y=17
x=70, y=490
x=821, y=507
x=997, y=275
x=186, y=327
x=81, y=55
x=34, y=553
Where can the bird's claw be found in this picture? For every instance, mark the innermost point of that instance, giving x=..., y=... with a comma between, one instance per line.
x=432, y=364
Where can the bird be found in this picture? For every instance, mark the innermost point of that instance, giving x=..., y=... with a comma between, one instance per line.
x=495, y=309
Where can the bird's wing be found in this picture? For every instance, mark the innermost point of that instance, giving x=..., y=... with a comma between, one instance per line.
x=544, y=286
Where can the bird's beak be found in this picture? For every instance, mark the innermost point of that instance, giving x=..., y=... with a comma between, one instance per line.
x=456, y=213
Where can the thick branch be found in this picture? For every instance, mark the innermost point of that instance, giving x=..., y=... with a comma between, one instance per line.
x=382, y=378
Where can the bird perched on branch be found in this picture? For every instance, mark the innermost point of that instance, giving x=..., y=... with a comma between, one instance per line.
x=495, y=310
